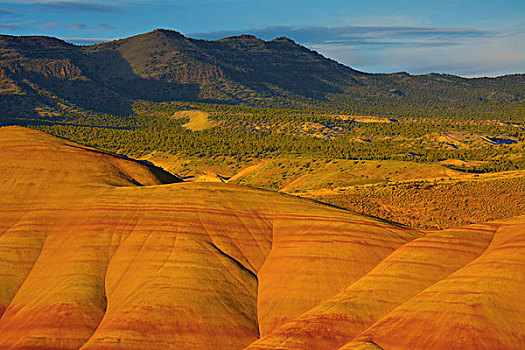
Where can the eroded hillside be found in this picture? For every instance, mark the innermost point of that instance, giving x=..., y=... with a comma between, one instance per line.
x=102, y=252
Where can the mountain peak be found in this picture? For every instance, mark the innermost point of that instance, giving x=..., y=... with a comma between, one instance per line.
x=283, y=39
x=168, y=32
x=243, y=38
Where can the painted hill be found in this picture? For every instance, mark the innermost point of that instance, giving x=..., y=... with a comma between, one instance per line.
x=163, y=65
x=190, y=265
x=483, y=308
x=101, y=252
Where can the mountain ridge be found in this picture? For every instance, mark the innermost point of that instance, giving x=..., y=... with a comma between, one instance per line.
x=164, y=65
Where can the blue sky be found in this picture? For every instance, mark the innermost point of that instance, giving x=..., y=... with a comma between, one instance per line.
x=463, y=37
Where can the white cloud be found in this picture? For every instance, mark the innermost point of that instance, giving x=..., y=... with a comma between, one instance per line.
x=415, y=49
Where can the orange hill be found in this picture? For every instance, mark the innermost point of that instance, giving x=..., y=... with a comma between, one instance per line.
x=102, y=252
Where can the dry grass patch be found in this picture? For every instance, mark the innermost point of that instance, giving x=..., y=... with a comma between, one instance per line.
x=198, y=120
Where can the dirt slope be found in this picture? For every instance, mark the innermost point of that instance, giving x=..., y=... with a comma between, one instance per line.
x=91, y=259
x=481, y=306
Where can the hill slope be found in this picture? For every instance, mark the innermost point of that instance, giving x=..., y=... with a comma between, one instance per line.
x=98, y=263
x=163, y=65
x=484, y=306
x=91, y=259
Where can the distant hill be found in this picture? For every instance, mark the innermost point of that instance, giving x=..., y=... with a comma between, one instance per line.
x=163, y=65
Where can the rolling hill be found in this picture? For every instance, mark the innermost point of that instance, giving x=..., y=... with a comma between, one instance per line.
x=102, y=252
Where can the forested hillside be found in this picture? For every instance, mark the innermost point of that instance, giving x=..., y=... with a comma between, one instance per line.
x=46, y=73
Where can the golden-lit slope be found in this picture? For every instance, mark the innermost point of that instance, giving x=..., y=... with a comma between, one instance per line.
x=36, y=158
x=101, y=252
x=481, y=306
x=403, y=274
x=40, y=177
x=91, y=259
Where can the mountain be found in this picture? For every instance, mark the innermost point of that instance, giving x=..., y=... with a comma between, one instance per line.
x=102, y=252
x=42, y=72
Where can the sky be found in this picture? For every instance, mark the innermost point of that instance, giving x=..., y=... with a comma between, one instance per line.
x=470, y=38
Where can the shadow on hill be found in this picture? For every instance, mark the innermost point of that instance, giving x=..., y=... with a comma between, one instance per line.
x=87, y=94
x=111, y=69
x=500, y=141
x=162, y=175
x=267, y=67
x=14, y=106
x=155, y=90
x=103, y=82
